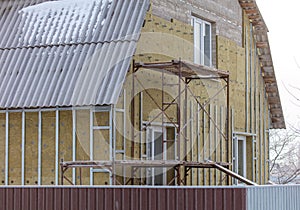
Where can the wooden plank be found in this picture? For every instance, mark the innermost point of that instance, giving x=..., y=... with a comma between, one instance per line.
x=262, y=44
x=276, y=111
x=248, y=4
x=269, y=69
x=235, y=175
x=251, y=11
x=265, y=57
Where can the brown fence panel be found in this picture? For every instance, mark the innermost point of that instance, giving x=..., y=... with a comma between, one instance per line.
x=123, y=198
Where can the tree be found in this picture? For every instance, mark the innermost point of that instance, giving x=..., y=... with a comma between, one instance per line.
x=284, y=154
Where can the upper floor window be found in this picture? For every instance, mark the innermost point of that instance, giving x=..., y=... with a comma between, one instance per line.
x=202, y=42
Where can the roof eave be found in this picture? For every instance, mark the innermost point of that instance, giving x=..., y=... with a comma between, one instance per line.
x=262, y=43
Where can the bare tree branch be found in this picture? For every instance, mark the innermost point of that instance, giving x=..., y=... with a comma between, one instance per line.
x=284, y=167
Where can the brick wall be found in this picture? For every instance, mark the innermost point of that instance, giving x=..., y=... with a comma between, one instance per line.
x=226, y=15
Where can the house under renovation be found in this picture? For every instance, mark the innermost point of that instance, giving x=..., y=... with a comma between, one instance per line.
x=139, y=92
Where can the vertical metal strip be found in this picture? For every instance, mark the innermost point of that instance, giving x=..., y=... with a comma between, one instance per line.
x=91, y=144
x=210, y=141
x=39, y=147
x=256, y=69
x=228, y=125
x=56, y=146
x=260, y=138
x=250, y=74
x=141, y=129
x=232, y=141
x=112, y=143
x=132, y=117
x=74, y=144
x=185, y=121
x=179, y=121
x=265, y=140
x=6, y=146
x=192, y=138
x=179, y=115
x=163, y=110
x=246, y=78
x=175, y=152
x=221, y=139
x=204, y=146
x=216, y=142
x=253, y=159
x=256, y=118
x=23, y=150
x=124, y=134
x=198, y=142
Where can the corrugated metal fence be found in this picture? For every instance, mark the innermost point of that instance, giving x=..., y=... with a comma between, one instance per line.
x=133, y=198
x=273, y=198
x=149, y=198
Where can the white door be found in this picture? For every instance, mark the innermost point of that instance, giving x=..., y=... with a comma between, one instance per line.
x=239, y=155
x=156, y=150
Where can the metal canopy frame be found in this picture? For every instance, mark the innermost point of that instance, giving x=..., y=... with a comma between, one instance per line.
x=186, y=72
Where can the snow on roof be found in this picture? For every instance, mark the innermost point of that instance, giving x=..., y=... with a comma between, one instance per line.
x=63, y=21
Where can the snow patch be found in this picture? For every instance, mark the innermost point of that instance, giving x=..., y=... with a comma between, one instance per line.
x=63, y=21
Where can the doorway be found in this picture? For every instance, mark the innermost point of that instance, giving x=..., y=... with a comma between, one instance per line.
x=156, y=150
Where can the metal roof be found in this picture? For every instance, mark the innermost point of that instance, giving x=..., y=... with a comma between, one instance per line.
x=266, y=62
x=67, y=52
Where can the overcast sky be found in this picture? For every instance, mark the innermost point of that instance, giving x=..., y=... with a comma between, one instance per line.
x=282, y=19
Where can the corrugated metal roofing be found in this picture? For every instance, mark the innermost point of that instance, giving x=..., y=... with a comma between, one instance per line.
x=67, y=52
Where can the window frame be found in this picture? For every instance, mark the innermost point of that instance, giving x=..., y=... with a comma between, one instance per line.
x=199, y=37
x=150, y=133
x=235, y=156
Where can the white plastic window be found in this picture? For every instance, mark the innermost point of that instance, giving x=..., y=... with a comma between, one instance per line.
x=239, y=156
x=202, y=42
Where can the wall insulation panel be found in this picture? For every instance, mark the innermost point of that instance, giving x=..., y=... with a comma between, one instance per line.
x=14, y=148
x=2, y=148
x=83, y=142
x=48, y=148
x=31, y=148
x=65, y=138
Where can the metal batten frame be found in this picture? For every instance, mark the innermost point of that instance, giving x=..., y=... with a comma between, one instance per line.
x=179, y=118
x=198, y=124
x=91, y=146
x=23, y=150
x=56, y=146
x=112, y=144
x=124, y=136
x=74, y=122
x=142, y=141
x=6, y=146
x=110, y=110
x=192, y=137
x=123, y=150
x=204, y=143
x=132, y=118
x=39, y=148
x=221, y=145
